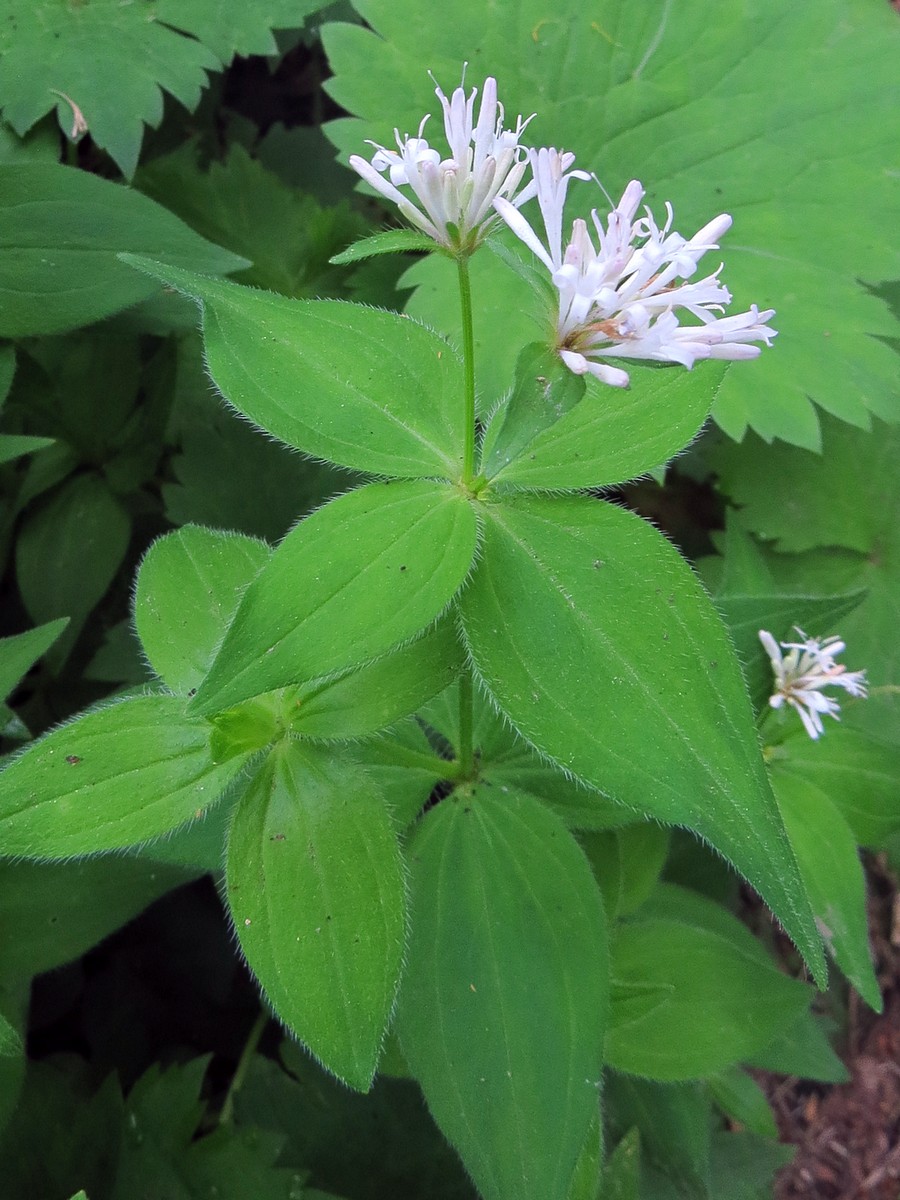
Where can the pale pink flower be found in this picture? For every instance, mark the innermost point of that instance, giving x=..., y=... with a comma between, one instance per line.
x=802, y=673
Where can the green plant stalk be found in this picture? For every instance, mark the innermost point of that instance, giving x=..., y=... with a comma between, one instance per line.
x=466, y=750
x=227, y=1113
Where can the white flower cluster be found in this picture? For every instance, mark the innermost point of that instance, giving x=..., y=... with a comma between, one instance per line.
x=802, y=673
x=622, y=291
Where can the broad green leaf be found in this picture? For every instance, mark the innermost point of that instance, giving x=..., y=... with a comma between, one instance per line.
x=502, y=1006
x=62, y=230
x=829, y=862
x=391, y=241
x=14, y=446
x=316, y=894
x=607, y=435
x=673, y=1121
x=52, y=913
x=586, y=1178
x=188, y=588
x=111, y=778
x=724, y=1003
x=626, y=863
x=596, y=640
x=741, y=1098
x=858, y=774
x=620, y=1173
x=363, y=574
x=19, y=653
x=787, y=165
x=376, y=695
x=359, y=386
x=136, y=53
x=743, y=1165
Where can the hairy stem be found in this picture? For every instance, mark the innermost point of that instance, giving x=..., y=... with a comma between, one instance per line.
x=468, y=346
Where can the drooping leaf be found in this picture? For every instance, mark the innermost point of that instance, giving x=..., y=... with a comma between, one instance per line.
x=188, y=589
x=585, y=434
x=62, y=230
x=503, y=1001
x=787, y=166
x=358, y=386
x=136, y=53
x=113, y=777
x=727, y=999
x=316, y=894
x=363, y=574
x=596, y=640
x=829, y=862
x=19, y=653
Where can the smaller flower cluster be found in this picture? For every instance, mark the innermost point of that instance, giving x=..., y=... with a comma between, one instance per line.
x=455, y=194
x=802, y=673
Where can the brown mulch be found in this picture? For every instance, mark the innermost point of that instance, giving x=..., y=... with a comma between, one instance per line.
x=848, y=1136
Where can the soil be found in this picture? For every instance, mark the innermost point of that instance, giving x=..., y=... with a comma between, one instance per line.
x=848, y=1136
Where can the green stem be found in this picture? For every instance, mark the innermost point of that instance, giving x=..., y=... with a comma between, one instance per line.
x=466, y=745
x=468, y=345
x=259, y=1025
x=441, y=768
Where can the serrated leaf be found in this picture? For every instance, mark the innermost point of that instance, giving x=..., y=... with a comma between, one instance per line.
x=363, y=574
x=502, y=1006
x=188, y=589
x=391, y=241
x=788, y=166
x=596, y=435
x=315, y=890
x=115, y=60
x=833, y=875
x=111, y=778
x=596, y=640
x=744, y=1000
x=61, y=232
x=19, y=653
x=392, y=406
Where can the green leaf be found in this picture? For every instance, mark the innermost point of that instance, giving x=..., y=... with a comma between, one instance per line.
x=136, y=53
x=316, y=894
x=502, y=1007
x=726, y=1001
x=829, y=862
x=626, y=863
x=391, y=406
x=588, y=434
x=802, y=1050
x=14, y=446
x=673, y=1121
x=788, y=166
x=405, y=767
x=19, y=653
x=355, y=579
x=62, y=230
x=743, y=1165
x=380, y=693
x=596, y=640
x=391, y=241
x=741, y=1099
x=52, y=913
x=111, y=778
x=68, y=551
x=10, y=1041
x=188, y=589
x=620, y=1174
x=851, y=770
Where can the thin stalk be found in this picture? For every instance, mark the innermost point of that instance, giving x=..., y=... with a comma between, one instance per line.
x=468, y=346
x=442, y=768
x=237, y=1079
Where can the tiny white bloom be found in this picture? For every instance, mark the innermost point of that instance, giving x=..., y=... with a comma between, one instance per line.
x=802, y=673
x=455, y=195
x=620, y=297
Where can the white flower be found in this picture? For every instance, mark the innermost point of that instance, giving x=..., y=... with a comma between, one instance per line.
x=802, y=673
x=455, y=194
x=620, y=298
